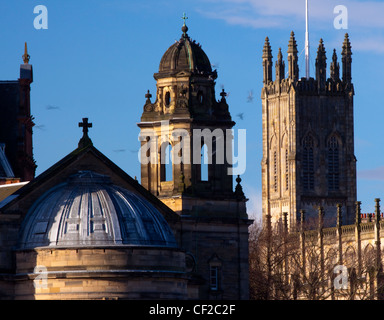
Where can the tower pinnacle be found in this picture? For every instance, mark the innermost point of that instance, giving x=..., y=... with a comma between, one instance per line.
x=267, y=61
x=321, y=66
x=26, y=56
x=335, y=68
x=293, y=58
x=347, y=60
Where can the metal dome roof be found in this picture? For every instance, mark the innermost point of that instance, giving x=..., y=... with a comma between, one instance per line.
x=88, y=210
x=185, y=55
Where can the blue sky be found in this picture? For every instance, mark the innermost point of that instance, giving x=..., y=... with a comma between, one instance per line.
x=97, y=59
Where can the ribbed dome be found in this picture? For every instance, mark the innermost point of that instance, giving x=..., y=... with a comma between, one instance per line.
x=88, y=210
x=185, y=55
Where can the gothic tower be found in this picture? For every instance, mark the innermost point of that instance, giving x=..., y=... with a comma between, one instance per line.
x=186, y=161
x=308, y=137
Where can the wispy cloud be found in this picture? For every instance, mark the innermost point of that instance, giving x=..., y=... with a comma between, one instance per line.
x=252, y=12
x=372, y=44
x=365, y=18
x=372, y=174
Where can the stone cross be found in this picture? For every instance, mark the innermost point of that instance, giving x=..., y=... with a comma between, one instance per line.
x=85, y=125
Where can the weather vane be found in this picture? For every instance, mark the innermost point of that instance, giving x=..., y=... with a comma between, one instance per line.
x=184, y=17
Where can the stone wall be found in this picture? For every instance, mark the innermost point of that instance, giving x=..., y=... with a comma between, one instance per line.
x=101, y=273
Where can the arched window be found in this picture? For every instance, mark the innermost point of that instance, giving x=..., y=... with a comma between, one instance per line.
x=167, y=99
x=204, y=163
x=308, y=163
x=333, y=163
x=166, y=162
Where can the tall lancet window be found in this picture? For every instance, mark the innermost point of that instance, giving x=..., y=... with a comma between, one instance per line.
x=308, y=163
x=166, y=162
x=333, y=163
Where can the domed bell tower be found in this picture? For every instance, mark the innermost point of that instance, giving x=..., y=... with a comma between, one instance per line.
x=185, y=132
x=186, y=161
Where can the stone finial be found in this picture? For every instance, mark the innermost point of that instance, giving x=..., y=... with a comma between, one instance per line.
x=26, y=56
x=321, y=49
x=223, y=94
x=292, y=45
x=321, y=54
x=267, y=51
x=239, y=189
x=346, y=46
x=148, y=96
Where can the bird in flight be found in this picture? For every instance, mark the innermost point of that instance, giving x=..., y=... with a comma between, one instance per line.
x=51, y=107
x=250, y=96
x=40, y=126
x=215, y=66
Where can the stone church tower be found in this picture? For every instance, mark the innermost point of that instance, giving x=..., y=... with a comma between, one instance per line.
x=184, y=163
x=308, y=137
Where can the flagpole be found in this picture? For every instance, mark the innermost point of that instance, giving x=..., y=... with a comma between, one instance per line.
x=306, y=41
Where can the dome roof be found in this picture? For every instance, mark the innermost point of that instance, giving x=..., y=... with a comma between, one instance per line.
x=88, y=210
x=185, y=55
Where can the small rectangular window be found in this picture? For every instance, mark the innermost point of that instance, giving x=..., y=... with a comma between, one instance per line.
x=214, y=278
